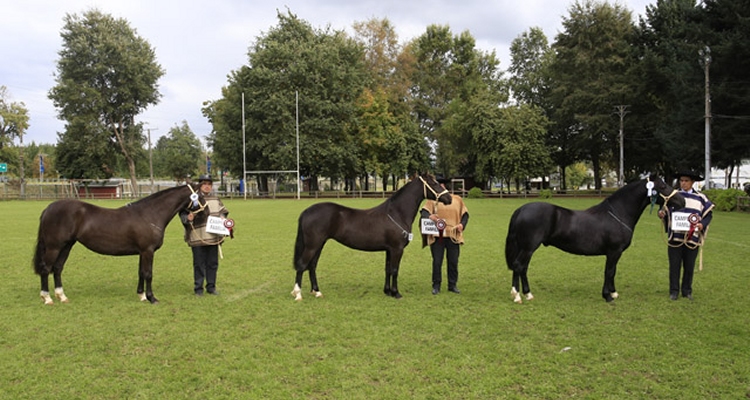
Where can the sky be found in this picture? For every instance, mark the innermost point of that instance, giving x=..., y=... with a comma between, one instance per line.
x=199, y=43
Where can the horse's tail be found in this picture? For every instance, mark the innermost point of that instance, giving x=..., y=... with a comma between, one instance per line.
x=299, y=246
x=511, y=243
x=39, y=266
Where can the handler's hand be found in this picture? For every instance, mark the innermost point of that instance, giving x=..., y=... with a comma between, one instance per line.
x=662, y=214
x=190, y=217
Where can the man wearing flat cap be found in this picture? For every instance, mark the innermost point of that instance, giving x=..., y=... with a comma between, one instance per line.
x=204, y=245
x=686, y=229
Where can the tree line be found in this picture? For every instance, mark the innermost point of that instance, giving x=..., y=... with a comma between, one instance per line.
x=368, y=104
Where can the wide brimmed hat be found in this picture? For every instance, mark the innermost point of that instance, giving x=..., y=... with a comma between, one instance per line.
x=695, y=176
x=205, y=178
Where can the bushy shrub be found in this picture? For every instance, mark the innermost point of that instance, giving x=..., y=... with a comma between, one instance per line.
x=475, y=193
x=725, y=200
x=545, y=194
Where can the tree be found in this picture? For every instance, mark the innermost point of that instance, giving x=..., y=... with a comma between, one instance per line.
x=512, y=143
x=729, y=27
x=530, y=61
x=446, y=69
x=326, y=69
x=668, y=115
x=106, y=76
x=385, y=123
x=178, y=153
x=14, y=120
x=590, y=73
x=531, y=58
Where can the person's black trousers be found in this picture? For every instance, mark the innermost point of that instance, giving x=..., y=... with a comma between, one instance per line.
x=445, y=246
x=205, y=267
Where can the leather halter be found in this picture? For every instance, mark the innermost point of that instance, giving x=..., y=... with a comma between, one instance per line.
x=191, y=202
x=426, y=186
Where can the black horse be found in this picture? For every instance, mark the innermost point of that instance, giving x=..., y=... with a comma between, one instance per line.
x=137, y=228
x=604, y=229
x=386, y=227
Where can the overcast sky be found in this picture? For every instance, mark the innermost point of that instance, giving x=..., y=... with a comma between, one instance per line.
x=199, y=43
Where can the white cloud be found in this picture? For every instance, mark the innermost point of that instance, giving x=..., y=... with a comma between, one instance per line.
x=199, y=43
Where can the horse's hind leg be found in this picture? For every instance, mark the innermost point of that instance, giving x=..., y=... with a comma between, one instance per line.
x=307, y=263
x=44, y=293
x=57, y=260
x=514, y=288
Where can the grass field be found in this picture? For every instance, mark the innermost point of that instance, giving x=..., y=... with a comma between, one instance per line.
x=255, y=341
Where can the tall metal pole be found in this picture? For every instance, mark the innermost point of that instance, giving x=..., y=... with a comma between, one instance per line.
x=244, y=161
x=150, y=160
x=296, y=101
x=706, y=61
x=621, y=111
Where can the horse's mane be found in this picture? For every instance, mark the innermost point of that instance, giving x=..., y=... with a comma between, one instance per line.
x=402, y=189
x=622, y=192
x=155, y=196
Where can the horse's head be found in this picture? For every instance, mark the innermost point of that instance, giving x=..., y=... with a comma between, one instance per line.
x=433, y=190
x=661, y=193
x=195, y=201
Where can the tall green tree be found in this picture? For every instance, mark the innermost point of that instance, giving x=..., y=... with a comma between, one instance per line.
x=728, y=23
x=449, y=68
x=593, y=56
x=106, y=76
x=385, y=122
x=178, y=154
x=667, y=121
x=14, y=120
x=326, y=69
x=530, y=82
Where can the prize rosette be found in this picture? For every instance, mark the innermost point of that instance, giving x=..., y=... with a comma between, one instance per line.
x=440, y=224
x=229, y=224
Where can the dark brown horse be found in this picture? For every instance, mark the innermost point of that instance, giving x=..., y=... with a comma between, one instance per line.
x=386, y=227
x=605, y=229
x=137, y=228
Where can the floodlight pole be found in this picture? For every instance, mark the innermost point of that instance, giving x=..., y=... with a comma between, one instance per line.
x=296, y=101
x=244, y=149
x=621, y=111
x=705, y=60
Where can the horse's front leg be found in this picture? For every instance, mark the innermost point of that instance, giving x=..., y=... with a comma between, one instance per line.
x=608, y=290
x=145, y=274
x=314, y=289
x=59, y=293
x=392, y=262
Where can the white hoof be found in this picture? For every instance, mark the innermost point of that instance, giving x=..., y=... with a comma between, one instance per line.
x=46, y=297
x=615, y=295
x=516, y=296
x=142, y=296
x=297, y=292
x=61, y=295
x=529, y=296
x=317, y=294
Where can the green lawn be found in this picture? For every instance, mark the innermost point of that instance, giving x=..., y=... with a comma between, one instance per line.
x=255, y=341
